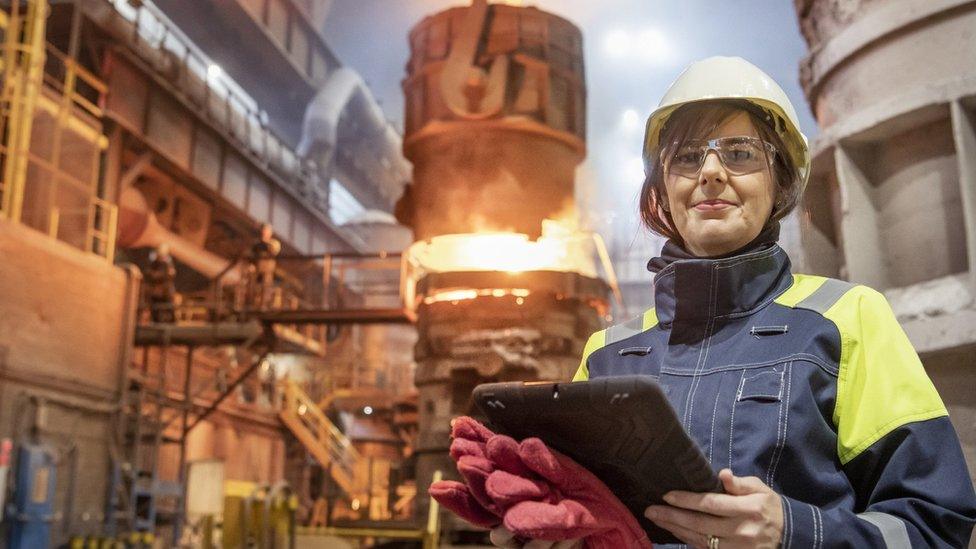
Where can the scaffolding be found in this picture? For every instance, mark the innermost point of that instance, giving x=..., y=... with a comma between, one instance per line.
x=154, y=414
x=50, y=120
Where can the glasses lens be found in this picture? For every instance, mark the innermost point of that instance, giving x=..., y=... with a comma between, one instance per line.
x=739, y=155
x=687, y=159
x=742, y=156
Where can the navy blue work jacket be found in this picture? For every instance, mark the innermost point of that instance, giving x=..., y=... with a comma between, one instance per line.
x=810, y=384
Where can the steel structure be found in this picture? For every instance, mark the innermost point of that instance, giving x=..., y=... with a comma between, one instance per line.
x=891, y=200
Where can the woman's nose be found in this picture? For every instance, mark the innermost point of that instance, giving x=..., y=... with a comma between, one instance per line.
x=712, y=170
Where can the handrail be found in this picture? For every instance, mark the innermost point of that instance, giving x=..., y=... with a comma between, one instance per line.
x=30, y=67
x=324, y=440
x=428, y=534
x=336, y=436
x=66, y=84
x=102, y=228
x=222, y=96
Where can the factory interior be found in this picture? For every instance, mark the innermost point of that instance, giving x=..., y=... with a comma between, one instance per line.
x=239, y=307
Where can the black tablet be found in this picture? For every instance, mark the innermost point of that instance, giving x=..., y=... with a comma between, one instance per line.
x=621, y=428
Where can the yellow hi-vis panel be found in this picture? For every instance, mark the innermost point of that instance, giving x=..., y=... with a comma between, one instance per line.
x=599, y=340
x=882, y=384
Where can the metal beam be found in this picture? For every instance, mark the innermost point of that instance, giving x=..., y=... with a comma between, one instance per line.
x=964, y=135
x=230, y=389
x=223, y=333
x=135, y=170
x=336, y=316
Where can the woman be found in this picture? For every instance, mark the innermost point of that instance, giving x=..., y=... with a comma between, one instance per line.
x=803, y=390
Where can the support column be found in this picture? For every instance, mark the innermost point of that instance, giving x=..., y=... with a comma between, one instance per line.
x=863, y=255
x=964, y=135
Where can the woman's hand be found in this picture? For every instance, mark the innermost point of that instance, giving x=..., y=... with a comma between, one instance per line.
x=502, y=537
x=749, y=514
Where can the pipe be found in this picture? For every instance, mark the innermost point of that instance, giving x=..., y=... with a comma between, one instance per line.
x=139, y=228
x=130, y=306
x=320, y=127
x=67, y=520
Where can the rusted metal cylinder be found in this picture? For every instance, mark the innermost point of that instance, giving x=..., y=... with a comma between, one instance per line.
x=495, y=119
x=891, y=84
x=495, y=128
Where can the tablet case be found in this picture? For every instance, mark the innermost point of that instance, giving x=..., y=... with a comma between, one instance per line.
x=621, y=428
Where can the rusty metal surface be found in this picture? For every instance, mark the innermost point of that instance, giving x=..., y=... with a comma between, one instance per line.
x=564, y=284
x=495, y=128
x=495, y=120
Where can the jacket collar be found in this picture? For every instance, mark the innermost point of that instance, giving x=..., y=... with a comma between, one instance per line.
x=698, y=290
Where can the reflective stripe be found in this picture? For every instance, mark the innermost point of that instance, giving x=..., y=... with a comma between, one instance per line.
x=893, y=529
x=825, y=296
x=621, y=332
x=803, y=285
x=614, y=334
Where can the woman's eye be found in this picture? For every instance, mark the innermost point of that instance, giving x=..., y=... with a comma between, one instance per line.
x=686, y=157
x=741, y=155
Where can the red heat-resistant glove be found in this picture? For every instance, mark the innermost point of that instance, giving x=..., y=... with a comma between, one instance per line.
x=536, y=492
x=476, y=461
x=581, y=506
x=469, y=500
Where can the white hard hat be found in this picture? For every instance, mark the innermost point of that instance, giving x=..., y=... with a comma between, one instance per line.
x=717, y=78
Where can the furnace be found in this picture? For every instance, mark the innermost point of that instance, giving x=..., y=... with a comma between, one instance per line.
x=505, y=286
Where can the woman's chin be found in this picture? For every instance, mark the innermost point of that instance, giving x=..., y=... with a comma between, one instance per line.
x=718, y=237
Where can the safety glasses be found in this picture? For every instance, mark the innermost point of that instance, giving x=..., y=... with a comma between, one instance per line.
x=739, y=154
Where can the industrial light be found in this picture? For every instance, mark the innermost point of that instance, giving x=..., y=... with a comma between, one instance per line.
x=652, y=45
x=630, y=120
x=647, y=46
x=617, y=43
x=368, y=410
x=634, y=171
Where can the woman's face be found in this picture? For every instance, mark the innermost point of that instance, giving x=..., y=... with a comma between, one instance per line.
x=718, y=212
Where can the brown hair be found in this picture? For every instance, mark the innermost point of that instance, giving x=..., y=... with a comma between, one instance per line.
x=696, y=120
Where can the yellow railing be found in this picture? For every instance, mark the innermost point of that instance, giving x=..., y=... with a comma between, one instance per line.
x=428, y=535
x=35, y=188
x=23, y=62
x=330, y=447
x=72, y=80
x=205, y=84
x=103, y=229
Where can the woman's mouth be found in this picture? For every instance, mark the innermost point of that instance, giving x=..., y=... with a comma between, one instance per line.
x=713, y=205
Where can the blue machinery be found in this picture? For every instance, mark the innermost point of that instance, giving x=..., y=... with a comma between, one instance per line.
x=31, y=510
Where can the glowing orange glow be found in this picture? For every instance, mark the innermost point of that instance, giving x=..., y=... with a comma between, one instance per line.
x=561, y=247
x=461, y=295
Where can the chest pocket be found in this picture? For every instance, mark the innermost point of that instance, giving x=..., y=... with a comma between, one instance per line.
x=762, y=387
x=759, y=421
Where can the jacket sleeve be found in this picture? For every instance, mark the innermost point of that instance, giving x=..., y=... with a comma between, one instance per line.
x=595, y=341
x=895, y=444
